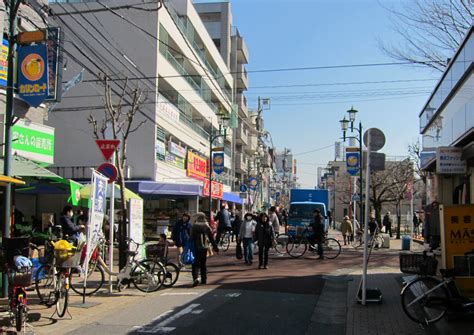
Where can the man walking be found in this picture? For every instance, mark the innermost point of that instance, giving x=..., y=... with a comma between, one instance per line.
x=387, y=223
x=318, y=231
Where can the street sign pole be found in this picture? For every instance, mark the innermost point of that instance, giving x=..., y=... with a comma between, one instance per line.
x=367, y=183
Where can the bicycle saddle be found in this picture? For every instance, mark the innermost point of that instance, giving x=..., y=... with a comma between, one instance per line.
x=448, y=273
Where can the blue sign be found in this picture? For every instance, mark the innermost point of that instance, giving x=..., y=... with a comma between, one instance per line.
x=243, y=188
x=355, y=197
x=253, y=183
x=352, y=163
x=218, y=162
x=33, y=74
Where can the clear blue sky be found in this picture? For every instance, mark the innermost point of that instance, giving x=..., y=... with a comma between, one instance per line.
x=307, y=33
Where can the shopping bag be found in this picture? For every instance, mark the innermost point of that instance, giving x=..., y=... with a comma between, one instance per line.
x=210, y=253
x=238, y=251
x=188, y=253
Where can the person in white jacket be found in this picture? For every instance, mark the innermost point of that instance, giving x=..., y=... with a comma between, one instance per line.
x=246, y=235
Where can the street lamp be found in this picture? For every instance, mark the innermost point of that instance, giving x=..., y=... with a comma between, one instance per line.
x=344, y=127
x=222, y=132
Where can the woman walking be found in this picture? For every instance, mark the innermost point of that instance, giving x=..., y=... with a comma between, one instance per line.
x=246, y=234
x=265, y=237
x=346, y=229
x=180, y=233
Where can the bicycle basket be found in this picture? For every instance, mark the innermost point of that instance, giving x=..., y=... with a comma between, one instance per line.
x=21, y=277
x=156, y=251
x=418, y=264
x=67, y=258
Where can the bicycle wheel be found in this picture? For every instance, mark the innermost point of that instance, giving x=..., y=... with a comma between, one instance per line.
x=19, y=316
x=281, y=242
x=296, y=248
x=225, y=242
x=62, y=294
x=357, y=241
x=171, y=275
x=95, y=280
x=378, y=241
x=331, y=248
x=45, y=282
x=147, y=275
x=421, y=304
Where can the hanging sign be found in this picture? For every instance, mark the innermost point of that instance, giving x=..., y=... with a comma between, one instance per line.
x=4, y=63
x=107, y=147
x=197, y=166
x=218, y=162
x=33, y=74
x=217, y=189
x=253, y=183
x=353, y=163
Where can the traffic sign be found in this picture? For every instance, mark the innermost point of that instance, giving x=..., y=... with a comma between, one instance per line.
x=243, y=195
x=109, y=170
x=107, y=147
x=355, y=197
x=243, y=188
x=377, y=139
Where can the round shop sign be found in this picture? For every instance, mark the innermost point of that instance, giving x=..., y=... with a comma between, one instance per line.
x=353, y=161
x=109, y=170
x=33, y=67
x=253, y=183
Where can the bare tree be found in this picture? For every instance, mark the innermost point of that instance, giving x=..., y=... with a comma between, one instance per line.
x=430, y=30
x=122, y=123
x=414, y=151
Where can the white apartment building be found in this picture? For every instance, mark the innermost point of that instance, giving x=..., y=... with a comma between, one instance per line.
x=169, y=54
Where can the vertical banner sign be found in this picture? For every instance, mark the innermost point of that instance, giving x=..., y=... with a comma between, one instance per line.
x=55, y=64
x=4, y=63
x=136, y=223
x=353, y=163
x=96, y=214
x=459, y=239
x=33, y=74
x=218, y=162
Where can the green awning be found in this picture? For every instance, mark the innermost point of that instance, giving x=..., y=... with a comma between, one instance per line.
x=24, y=168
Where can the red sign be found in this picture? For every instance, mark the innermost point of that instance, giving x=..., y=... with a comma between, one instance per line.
x=197, y=166
x=109, y=170
x=217, y=189
x=107, y=147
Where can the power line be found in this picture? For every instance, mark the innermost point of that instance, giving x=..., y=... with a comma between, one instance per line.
x=314, y=150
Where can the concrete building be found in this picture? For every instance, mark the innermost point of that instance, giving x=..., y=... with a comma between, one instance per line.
x=447, y=129
x=168, y=54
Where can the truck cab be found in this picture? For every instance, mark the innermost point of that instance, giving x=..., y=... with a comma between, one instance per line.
x=303, y=203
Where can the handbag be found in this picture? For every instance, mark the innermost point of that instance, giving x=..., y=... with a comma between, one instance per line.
x=188, y=255
x=238, y=251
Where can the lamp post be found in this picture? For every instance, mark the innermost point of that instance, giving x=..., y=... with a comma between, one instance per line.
x=344, y=127
x=222, y=132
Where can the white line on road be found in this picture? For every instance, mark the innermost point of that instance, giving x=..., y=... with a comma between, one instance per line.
x=162, y=326
x=233, y=295
x=179, y=293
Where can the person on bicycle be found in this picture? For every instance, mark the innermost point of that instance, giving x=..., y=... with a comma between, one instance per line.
x=68, y=227
x=180, y=233
x=265, y=236
x=202, y=236
x=318, y=231
x=223, y=224
x=246, y=234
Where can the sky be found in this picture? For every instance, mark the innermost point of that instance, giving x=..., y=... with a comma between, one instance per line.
x=283, y=34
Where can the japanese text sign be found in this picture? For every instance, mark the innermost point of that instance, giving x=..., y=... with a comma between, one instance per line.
x=449, y=161
x=107, y=147
x=197, y=166
x=217, y=189
x=33, y=74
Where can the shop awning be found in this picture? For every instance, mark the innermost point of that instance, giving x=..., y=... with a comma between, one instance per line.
x=156, y=188
x=235, y=198
x=85, y=192
x=27, y=169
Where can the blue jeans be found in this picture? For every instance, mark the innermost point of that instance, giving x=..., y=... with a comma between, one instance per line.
x=248, y=249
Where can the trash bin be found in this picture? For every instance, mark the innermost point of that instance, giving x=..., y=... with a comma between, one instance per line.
x=406, y=240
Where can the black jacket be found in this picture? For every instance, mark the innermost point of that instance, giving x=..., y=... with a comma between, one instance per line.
x=68, y=227
x=318, y=226
x=201, y=235
x=264, y=234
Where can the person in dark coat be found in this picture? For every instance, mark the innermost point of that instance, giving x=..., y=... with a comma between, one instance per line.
x=387, y=223
x=223, y=222
x=68, y=227
x=318, y=231
x=202, y=236
x=180, y=233
x=265, y=237
x=236, y=225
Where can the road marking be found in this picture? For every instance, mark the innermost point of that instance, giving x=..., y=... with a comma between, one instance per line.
x=197, y=311
x=179, y=293
x=233, y=295
x=162, y=326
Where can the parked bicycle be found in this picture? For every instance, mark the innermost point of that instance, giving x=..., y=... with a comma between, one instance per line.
x=19, y=278
x=358, y=239
x=146, y=275
x=426, y=299
x=281, y=241
x=298, y=245
x=224, y=242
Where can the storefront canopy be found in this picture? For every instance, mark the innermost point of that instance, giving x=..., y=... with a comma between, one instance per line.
x=26, y=169
x=86, y=191
x=156, y=188
x=235, y=198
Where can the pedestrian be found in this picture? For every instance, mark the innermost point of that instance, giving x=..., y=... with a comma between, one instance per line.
x=265, y=237
x=416, y=225
x=372, y=225
x=246, y=235
x=69, y=228
x=223, y=222
x=284, y=216
x=236, y=224
x=346, y=229
x=180, y=234
x=387, y=223
x=273, y=217
x=318, y=231
x=202, y=236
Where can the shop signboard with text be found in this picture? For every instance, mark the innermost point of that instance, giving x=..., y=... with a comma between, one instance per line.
x=458, y=240
x=449, y=161
x=167, y=110
x=33, y=141
x=176, y=150
x=196, y=166
x=217, y=189
x=4, y=63
x=33, y=74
